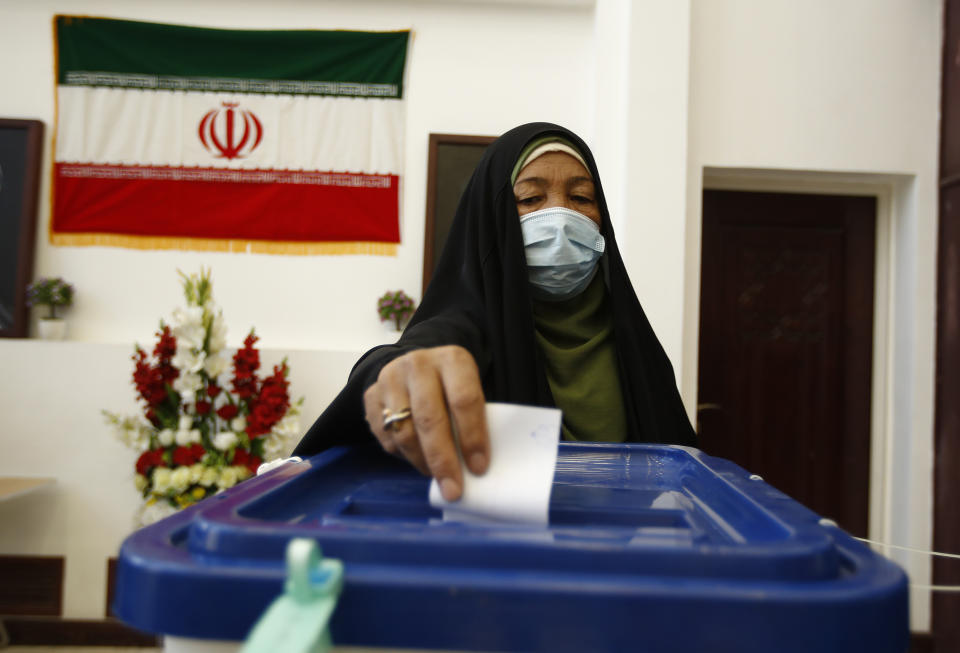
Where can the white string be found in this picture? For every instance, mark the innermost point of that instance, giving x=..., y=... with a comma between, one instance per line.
x=908, y=548
x=936, y=588
x=917, y=586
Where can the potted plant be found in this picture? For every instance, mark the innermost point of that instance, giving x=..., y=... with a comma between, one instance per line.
x=52, y=293
x=395, y=305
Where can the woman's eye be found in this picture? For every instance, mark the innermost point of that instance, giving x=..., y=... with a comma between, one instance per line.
x=582, y=199
x=528, y=201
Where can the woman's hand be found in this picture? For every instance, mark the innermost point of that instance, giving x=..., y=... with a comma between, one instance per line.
x=440, y=386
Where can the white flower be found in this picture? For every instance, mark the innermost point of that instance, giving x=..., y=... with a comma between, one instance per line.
x=287, y=427
x=185, y=438
x=218, y=333
x=239, y=424
x=140, y=482
x=153, y=511
x=161, y=480
x=165, y=437
x=188, y=327
x=228, y=478
x=180, y=479
x=196, y=473
x=210, y=476
x=225, y=440
x=189, y=360
x=216, y=364
x=274, y=447
x=277, y=444
x=139, y=435
x=185, y=423
x=187, y=385
x=131, y=431
x=191, y=315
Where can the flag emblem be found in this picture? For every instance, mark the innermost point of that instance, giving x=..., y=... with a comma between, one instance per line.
x=220, y=131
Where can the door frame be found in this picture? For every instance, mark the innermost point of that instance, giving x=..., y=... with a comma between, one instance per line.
x=900, y=505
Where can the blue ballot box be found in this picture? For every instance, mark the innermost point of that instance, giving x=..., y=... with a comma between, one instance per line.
x=649, y=548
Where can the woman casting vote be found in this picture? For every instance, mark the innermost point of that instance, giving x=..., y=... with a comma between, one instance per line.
x=531, y=304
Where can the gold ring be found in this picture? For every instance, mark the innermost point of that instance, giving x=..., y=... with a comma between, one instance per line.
x=390, y=418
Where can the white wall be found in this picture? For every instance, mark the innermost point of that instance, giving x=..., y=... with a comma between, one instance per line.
x=837, y=87
x=655, y=137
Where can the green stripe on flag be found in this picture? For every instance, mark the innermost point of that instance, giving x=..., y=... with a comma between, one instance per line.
x=132, y=54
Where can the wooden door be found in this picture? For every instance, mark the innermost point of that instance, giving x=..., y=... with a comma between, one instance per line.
x=786, y=342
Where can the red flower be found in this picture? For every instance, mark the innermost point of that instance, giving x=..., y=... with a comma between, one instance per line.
x=166, y=345
x=271, y=404
x=246, y=362
x=164, y=351
x=203, y=407
x=148, y=460
x=148, y=380
x=242, y=458
x=188, y=455
x=143, y=463
x=213, y=390
x=227, y=412
x=182, y=456
x=151, y=381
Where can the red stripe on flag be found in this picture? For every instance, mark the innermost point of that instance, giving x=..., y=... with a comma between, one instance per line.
x=229, y=204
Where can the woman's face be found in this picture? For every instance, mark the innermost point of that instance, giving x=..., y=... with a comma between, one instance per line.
x=556, y=179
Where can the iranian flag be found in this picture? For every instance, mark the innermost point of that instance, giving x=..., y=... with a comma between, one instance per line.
x=276, y=141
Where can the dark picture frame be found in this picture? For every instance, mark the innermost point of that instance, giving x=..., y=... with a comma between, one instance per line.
x=450, y=163
x=21, y=155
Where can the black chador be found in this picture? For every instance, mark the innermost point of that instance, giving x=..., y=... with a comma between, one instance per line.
x=479, y=299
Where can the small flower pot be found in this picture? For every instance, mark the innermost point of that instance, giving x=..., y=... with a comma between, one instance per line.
x=52, y=328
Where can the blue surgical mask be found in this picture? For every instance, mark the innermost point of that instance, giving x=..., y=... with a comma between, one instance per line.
x=562, y=249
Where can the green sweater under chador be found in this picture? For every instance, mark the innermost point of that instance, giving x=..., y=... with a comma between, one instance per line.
x=576, y=338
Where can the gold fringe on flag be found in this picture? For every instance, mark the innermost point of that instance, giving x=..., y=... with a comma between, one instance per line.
x=289, y=248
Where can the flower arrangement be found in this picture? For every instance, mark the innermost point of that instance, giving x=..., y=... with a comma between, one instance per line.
x=397, y=306
x=50, y=292
x=195, y=436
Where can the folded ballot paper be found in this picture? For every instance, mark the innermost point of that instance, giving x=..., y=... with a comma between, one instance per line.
x=516, y=486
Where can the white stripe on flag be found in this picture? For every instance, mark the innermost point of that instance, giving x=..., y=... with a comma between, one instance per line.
x=163, y=128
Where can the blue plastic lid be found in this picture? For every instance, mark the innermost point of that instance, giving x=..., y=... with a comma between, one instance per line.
x=650, y=548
